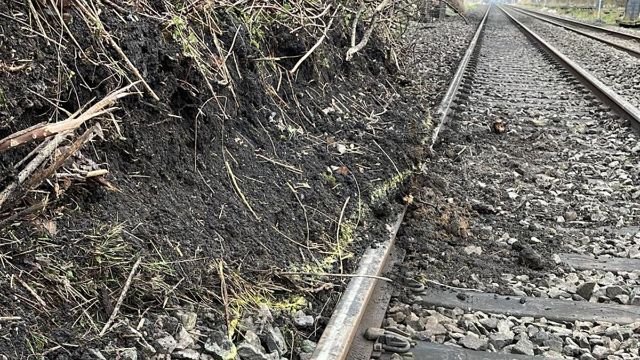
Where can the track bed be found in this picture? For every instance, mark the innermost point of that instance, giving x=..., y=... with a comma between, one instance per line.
x=522, y=236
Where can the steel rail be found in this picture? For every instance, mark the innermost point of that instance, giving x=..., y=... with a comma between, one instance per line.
x=624, y=108
x=342, y=328
x=613, y=32
x=624, y=48
x=445, y=104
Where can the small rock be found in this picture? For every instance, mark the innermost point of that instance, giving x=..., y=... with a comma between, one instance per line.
x=555, y=344
x=613, y=291
x=473, y=250
x=523, y=346
x=414, y=321
x=600, y=352
x=570, y=215
x=186, y=354
x=188, y=319
x=165, y=344
x=275, y=340
x=613, y=332
x=302, y=320
x=473, y=342
x=248, y=351
x=219, y=345
x=489, y=323
x=430, y=330
x=183, y=339
x=622, y=299
x=586, y=290
x=540, y=337
x=96, y=354
x=571, y=350
x=500, y=340
x=129, y=354
x=528, y=256
x=398, y=316
x=307, y=346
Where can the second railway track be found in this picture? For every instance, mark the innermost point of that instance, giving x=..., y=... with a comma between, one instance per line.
x=619, y=40
x=536, y=148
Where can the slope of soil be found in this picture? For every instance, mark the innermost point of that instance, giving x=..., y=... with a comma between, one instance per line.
x=233, y=201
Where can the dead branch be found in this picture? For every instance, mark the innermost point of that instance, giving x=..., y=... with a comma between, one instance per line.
x=455, y=9
x=367, y=35
x=42, y=131
x=224, y=293
x=39, y=177
x=10, y=191
x=32, y=292
x=318, y=43
x=10, y=318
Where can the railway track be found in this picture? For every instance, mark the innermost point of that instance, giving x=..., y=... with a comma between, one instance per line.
x=629, y=43
x=575, y=292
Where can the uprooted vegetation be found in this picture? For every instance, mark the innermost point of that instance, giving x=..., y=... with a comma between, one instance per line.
x=213, y=156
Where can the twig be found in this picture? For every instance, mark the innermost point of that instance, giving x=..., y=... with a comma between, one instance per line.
x=123, y=294
x=286, y=166
x=225, y=294
x=338, y=232
x=10, y=318
x=314, y=47
x=116, y=47
x=304, y=210
x=37, y=18
x=37, y=178
x=10, y=191
x=237, y=189
x=32, y=292
x=367, y=35
x=337, y=275
x=354, y=26
x=388, y=157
